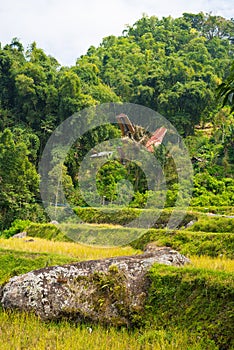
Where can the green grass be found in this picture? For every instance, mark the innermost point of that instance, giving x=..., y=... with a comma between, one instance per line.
x=190, y=243
x=18, y=256
x=125, y=216
x=213, y=224
x=14, y=263
x=92, y=234
x=197, y=300
x=187, y=308
x=101, y=234
x=23, y=331
x=187, y=241
x=48, y=231
x=223, y=210
x=215, y=264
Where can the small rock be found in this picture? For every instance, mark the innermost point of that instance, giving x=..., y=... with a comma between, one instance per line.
x=54, y=222
x=190, y=223
x=20, y=235
x=90, y=330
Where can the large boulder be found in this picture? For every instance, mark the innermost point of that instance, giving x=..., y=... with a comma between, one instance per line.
x=109, y=291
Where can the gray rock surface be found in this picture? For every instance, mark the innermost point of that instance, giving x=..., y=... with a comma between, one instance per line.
x=109, y=291
x=20, y=235
x=190, y=223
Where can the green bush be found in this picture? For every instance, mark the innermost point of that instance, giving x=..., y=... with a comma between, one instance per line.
x=190, y=243
x=210, y=191
x=47, y=231
x=102, y=235
x=125, y=216
x=16, y=227
x=221, y=210
x=197, y=300
x=213, y=224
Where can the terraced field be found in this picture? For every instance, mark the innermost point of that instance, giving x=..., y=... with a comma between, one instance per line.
x=187, y=308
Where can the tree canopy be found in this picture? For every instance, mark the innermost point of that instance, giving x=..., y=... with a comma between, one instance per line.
x=173, y=66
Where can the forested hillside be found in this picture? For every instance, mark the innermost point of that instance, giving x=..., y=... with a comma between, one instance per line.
x=180, y=67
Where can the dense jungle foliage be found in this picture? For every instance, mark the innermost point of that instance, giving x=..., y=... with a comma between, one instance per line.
x=182, y=68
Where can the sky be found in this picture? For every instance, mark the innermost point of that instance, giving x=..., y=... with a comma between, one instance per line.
x=65, y=29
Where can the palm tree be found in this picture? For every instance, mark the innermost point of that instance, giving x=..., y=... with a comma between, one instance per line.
x=226, y=89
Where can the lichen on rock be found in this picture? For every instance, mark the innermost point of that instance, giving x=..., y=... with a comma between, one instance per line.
x=109, y=291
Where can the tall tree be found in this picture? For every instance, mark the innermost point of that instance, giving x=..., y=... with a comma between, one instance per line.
x=226, y=89
x=18, y=180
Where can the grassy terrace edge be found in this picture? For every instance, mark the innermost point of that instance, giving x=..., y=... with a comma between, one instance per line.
x=180, y=299
x=187, y=242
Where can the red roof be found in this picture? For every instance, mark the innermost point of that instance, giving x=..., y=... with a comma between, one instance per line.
x=156, y=139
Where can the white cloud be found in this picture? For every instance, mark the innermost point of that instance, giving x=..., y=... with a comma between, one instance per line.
x=65, y=29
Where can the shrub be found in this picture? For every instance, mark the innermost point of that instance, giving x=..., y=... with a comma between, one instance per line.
x=47, y=231
x=125, y=216
x=213, y=224
x=190, y=243
x=221, y=210
x=16, y=227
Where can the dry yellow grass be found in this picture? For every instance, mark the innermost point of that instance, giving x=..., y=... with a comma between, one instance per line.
x=21, y=331
x=73, y=250
x=206, y=262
